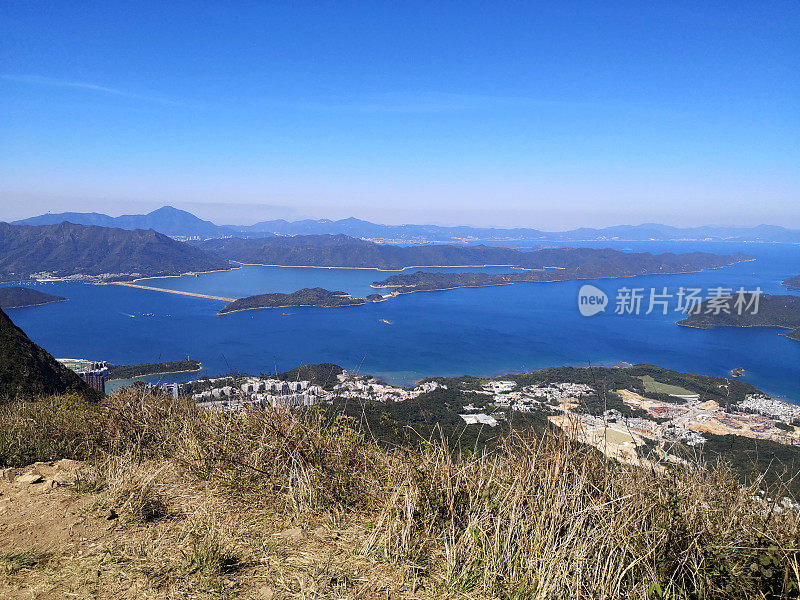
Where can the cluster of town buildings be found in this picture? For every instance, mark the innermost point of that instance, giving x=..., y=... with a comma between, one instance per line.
x=258, y=392
x=555, y=392
x=531, y=397
x=669, y=431
x=94, y=373
x=46, y=276
x=684, y=421
x=769, y=407
x=349, y=386
x=229, y=394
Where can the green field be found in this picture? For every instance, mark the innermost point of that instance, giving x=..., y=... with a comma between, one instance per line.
x=656, y=387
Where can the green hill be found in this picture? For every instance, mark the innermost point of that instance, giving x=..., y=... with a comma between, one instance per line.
x=68, y=249
x=773, y=311
x=27, y=370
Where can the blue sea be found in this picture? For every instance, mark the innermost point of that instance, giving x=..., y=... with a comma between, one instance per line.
x=479, y=331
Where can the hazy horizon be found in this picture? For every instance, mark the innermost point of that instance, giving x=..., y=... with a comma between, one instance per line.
x=226, y=207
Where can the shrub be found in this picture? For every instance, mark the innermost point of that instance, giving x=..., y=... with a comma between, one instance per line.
x=546, y=518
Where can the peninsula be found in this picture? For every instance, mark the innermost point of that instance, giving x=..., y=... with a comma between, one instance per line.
x=305, y=297
x=162, y=368
x=793, y=283
x=773, y=311
x=564, y=264
x=345, y=251
x=22, y=297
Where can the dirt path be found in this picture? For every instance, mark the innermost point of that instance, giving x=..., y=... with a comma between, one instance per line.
x=60, y=540
x=44, y=522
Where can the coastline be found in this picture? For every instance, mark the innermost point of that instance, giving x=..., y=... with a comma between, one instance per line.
x=32, y=305
x=382, y=270
x=68, y=278
x=133, y=284
x=397, y=293
x=707, y=327
x=400, y=269
x=244, y=264
x=182, y=274
x=392, y=294
x=792, y=287
x=135, y=377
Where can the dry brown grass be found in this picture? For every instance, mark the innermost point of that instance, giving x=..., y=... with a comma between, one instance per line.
x=202, y=495
x=551, y=519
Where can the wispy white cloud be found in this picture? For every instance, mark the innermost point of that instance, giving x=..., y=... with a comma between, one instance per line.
x=83, y=85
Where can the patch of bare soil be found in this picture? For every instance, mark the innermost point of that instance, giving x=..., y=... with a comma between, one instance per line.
x=44, y=522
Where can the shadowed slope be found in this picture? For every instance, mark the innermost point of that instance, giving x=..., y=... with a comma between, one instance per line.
x=28, y=370
x=20, y=297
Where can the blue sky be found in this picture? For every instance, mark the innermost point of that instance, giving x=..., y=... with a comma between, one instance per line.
x=550, y=115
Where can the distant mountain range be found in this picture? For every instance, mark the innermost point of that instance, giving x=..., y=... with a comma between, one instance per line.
x=68, y=249
x=179, y=223
x=167, y=220
x=429, y=233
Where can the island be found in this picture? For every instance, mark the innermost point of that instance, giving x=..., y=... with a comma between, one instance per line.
x=565, y=265
x=22, y=297
x=162, y=368
x=773, y=311
x=305, y=297
x=793, y=283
